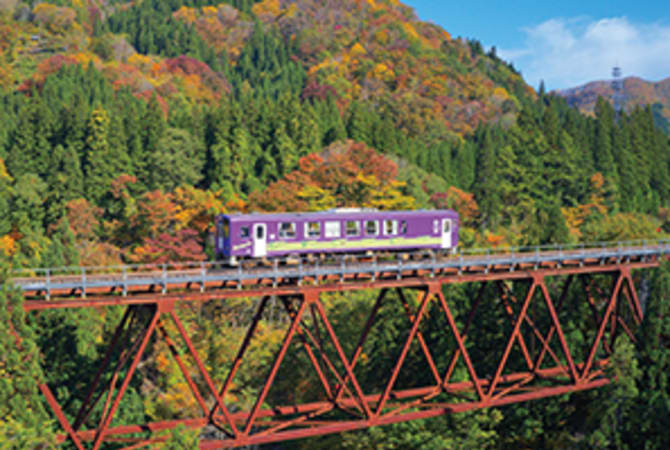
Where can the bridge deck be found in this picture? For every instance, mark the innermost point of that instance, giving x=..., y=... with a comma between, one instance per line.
x=339, y=270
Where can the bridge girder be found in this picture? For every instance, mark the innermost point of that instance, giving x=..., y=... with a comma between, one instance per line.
x=545, y=363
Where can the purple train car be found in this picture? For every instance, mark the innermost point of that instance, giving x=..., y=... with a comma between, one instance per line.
x=243, y=236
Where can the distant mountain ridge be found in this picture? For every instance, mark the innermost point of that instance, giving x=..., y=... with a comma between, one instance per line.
x=636, y=92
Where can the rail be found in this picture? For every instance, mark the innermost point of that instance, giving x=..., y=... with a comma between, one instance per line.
x=124, y=278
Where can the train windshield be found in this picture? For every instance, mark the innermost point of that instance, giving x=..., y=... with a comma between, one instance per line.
x=226, y=228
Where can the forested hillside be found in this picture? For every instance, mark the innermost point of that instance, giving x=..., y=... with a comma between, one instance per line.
x=125, y=126
x=636, y=92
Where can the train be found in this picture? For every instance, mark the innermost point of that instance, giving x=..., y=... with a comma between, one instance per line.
x=268, y=236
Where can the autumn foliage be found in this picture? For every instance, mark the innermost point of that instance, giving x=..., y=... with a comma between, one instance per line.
x=463, y=202
x=346, y=174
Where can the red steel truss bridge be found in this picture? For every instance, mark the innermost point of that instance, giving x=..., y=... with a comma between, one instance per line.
x=536, y=323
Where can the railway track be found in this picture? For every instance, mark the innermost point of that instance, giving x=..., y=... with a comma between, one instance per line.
x=47, y=284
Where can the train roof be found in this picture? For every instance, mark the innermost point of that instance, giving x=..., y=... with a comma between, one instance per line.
x=341, y=213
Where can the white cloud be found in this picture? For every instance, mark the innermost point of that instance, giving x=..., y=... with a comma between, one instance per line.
x=570, y=52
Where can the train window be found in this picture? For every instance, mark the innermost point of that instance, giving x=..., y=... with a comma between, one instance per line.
x=244, y=232
x=353, y=228
x=226, y=229
x=332, y=229
x=313, y=230
x=403, y=227
x=390, y=227
x=287, y=230
x=436, y=227
x=371, y=228
x=260, y=232
x=447, y=226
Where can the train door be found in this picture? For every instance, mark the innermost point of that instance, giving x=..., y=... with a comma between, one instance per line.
x=446, y=233
x=260, y=240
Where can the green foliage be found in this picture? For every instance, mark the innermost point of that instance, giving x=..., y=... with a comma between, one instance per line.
x=264, y=66
x=152, y=30
x=467, y=430
x=24, y=422
x=648, y=420
x=621, y=227
x=618, y=399
x=62, y=251
x=99, y=155
x=181, y=439
x=177, y=161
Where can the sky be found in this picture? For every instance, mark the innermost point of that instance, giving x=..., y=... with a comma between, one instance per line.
x=564, y=43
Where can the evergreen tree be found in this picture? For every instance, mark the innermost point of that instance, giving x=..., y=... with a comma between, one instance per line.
x=307, y=136
x=617, y=400
x=511, y=187
x=30, y=146
x=561, y=173
x=242, y=160
x=178, y=161
x=331, y=124
x=153, y=129
x=65, y=181
x=24, y=423
x=103, y=162
x=285, y=152
x=486, y=184
x=464, y=166
x=630, y=184
x=62, y=251
x=384, y=137
x=358, y=124
x=132, y=114
x=649, y=419
x=6, y=193
x=604, y=160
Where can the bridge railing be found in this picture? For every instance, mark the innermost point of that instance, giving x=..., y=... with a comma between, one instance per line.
x=661, y=245
x=572, y=248
x=490, y=255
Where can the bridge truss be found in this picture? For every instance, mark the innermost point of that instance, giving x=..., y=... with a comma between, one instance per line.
x=538, y=302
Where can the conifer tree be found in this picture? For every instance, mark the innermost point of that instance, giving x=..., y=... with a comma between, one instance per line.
x=103, y=162
x=62, y=251
x=560, y=172
x=65, y=182
x=487, y=178
x=604, y=161
x=6, y=194
x=242, y=160
x=464, y=165
x=333, y=129
x=24, y=423
x=134, y=135
x=630, y=184
x=307, y=137
x=177, y=161
x=384, y=136
x=285, y=151
x=358, y=124
x=649, y=420
x=31, y=148
x=153, y=125
x=511, y=188
x=551, y=126
x=74, y=118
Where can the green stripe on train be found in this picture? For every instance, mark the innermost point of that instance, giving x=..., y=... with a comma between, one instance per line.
x=342, y=243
